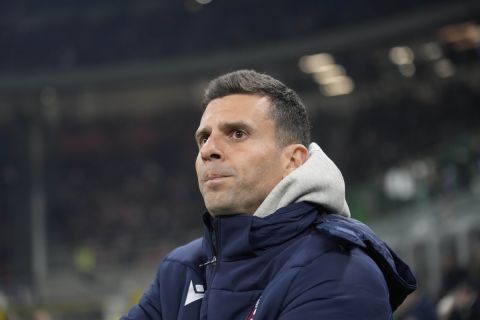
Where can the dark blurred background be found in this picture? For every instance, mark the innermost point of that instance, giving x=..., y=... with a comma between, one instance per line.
x=99, y=101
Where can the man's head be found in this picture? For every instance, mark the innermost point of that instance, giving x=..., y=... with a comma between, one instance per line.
x=253, y=133
x=287, y=110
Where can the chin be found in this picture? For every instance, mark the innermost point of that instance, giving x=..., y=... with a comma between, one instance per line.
x=220, y=212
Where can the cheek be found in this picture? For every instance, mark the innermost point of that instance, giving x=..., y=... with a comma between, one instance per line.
x=198, y=168
x=197, y=163
x=266, y=170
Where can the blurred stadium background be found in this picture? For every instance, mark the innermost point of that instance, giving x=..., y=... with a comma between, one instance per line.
x=99, y=100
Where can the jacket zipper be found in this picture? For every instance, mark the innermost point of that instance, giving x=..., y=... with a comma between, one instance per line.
x=212, y=261
x=210, y=266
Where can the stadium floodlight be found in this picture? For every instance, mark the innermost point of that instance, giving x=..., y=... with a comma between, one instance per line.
x=313, y=63
x=337, y=86
x=328, y=72
x=431, y=51
x=444, y=68
x=401, y=55
x=407, y=69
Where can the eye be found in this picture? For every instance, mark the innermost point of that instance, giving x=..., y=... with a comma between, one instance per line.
x=238, y=134
x=201, y=140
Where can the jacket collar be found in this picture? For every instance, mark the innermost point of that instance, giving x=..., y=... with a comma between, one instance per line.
x=236, y=237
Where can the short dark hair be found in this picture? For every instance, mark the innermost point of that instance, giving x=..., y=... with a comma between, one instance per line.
x=287, y=110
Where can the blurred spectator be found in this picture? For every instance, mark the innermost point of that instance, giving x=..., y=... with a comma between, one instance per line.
x=85, y=261
x=3, y=306
x=41, y=314
x=463, y=303
x=417, y=306
x=452, y=274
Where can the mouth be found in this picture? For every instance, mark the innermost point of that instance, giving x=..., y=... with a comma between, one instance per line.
x=214, y=177
x=215, y=180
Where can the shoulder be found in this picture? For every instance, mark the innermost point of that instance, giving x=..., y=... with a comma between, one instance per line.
x=327, y=278
x=188, y=253
x=336, y=258
x=166, y=292
x=180, y=262
x=341, y=281
x=180, y=267
x=348, y=266
x=341, y=248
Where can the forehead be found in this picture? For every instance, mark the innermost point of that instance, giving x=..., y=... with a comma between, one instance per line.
x=237, y=107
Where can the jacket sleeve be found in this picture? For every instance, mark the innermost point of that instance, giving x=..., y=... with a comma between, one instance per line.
x=338, y=286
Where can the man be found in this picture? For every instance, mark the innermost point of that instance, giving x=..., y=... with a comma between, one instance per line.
x=278, y=242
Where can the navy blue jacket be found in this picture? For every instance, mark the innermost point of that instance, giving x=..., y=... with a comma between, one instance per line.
x=298, y=263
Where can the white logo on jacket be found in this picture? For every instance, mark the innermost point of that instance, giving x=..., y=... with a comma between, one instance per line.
x=194, y=293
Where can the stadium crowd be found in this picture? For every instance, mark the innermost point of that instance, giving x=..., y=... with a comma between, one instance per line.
x=128, y=31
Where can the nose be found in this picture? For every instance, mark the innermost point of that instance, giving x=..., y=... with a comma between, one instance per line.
x=211, y=149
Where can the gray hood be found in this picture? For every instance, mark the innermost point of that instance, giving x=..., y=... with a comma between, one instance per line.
x=317, y=181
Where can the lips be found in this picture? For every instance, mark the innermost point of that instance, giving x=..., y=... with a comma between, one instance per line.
x=215, y=174
x=213, y=177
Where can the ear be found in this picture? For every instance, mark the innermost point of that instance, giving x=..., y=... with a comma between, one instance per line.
x=295, y=155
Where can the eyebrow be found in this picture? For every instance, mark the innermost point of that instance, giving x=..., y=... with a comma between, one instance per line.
x=228, y=126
